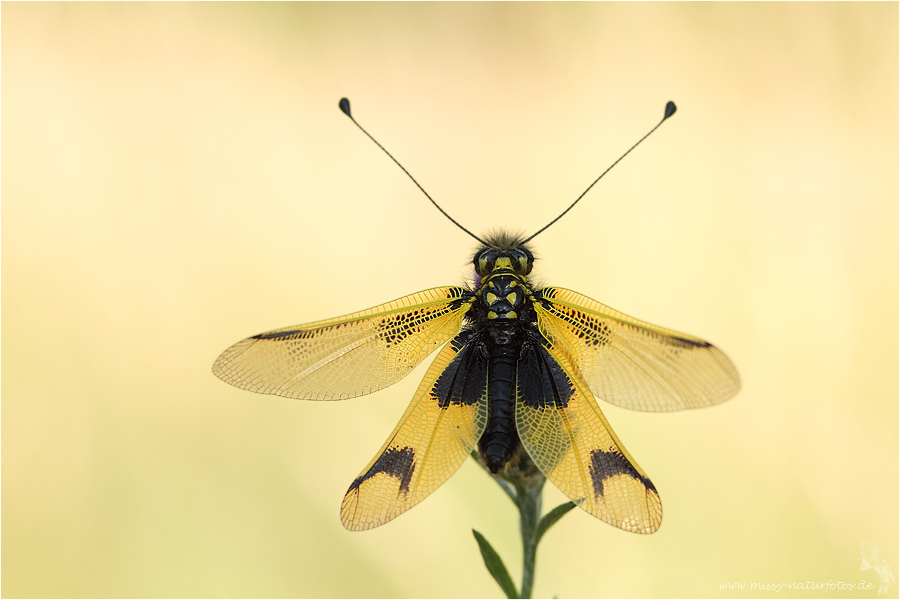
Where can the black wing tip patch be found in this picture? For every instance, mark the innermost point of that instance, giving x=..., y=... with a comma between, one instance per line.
x=394, y=462
x=609, y=464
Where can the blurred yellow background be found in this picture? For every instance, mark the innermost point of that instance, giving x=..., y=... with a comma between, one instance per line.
x=176, y=177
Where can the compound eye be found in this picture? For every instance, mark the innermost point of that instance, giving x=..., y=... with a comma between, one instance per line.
x=478, y=256
x=484, y=262
x=523, y=264
x=526, y=259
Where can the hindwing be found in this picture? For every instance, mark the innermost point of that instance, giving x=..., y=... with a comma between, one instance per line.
x=437, y=432
x=570, y=441
x=346, y=356
x=631, y=363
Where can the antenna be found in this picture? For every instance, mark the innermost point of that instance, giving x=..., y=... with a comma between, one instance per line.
x=670, y=110
x=344, y=105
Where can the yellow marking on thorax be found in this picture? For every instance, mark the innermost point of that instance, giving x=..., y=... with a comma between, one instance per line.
x=491, y=297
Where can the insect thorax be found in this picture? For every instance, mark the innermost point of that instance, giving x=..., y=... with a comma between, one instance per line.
x=501, y=269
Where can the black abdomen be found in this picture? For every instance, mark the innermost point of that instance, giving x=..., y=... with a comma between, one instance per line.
x=500, y=440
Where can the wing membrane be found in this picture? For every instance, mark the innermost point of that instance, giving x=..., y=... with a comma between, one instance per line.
x=437, y=432
x=378, y=347
x=631, y=363
x=569, y=439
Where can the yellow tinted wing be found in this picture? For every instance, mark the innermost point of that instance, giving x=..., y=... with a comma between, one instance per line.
x=346, y=356
x=631, y=363
x=433, y=438
x=569, y=439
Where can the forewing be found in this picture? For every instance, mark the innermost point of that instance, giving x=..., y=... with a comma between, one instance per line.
x=346, y=356
x=569, y=439
x=437, y=432
x=631, y=363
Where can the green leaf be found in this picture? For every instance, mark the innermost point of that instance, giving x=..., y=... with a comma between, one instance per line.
x=551, y=518
x=495, y=566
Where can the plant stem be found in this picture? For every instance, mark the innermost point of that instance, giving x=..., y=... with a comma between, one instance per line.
x=528, y=482
x=530, y=514
x=523, y=482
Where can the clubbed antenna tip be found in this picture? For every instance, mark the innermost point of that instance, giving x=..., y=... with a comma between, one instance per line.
x=670, y=108
x=344, y=105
